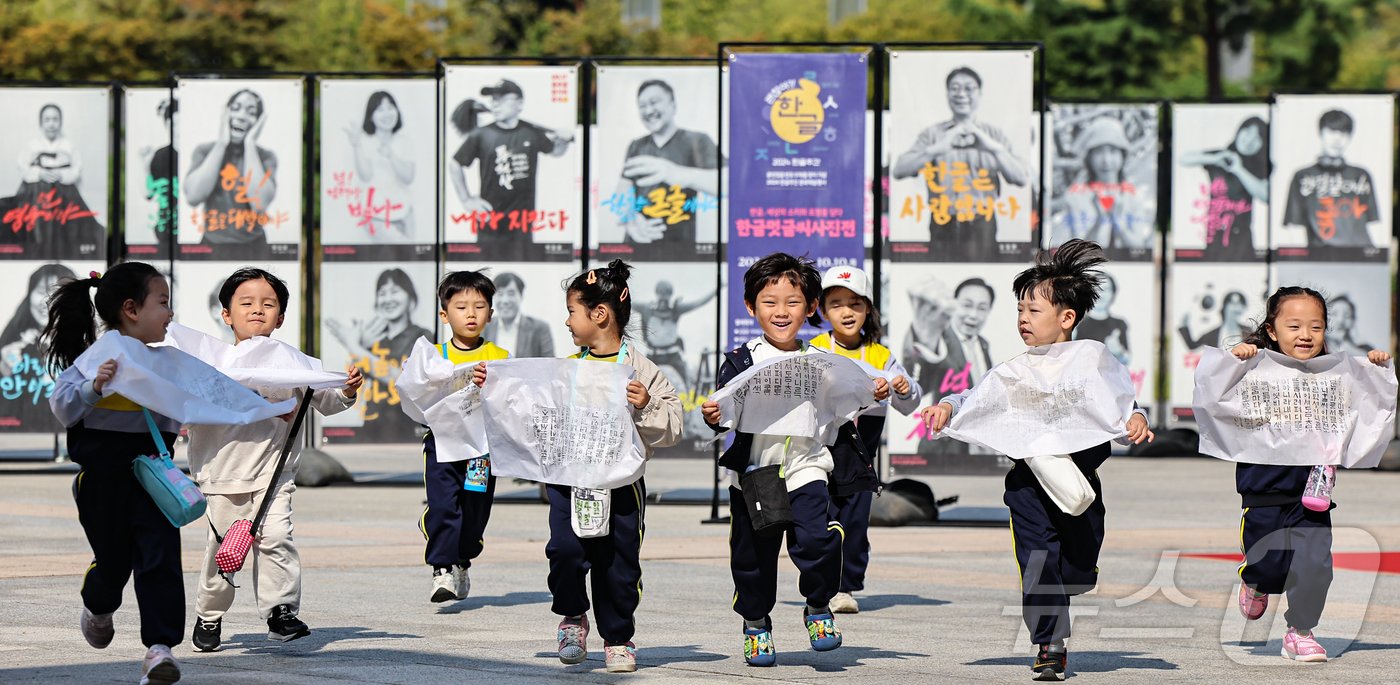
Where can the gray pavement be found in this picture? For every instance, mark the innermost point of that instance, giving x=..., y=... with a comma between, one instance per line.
x=941, y=604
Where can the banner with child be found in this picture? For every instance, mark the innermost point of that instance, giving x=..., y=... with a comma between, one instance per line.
x=1274, y=409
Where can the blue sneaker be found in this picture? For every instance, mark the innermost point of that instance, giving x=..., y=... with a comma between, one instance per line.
x=758, y=645
x=821, y=630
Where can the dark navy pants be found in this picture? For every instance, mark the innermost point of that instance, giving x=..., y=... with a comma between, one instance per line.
x=1057, y=554
x=813, y=544
x=1288, y=549
x=853, y=511
x=455, y=519
x=613, y=561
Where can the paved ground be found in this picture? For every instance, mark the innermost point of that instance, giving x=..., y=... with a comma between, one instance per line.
x=941, y=603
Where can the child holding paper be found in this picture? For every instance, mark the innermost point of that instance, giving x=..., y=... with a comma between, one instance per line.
x=855, y=334
x=459, y=492
x=128, y=534
x=600, y=306
x=234, y=466
x=1299, y=564
x=781, y=291
x=1057, y=553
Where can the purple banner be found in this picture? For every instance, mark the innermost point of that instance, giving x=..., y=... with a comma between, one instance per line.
x=797, y=147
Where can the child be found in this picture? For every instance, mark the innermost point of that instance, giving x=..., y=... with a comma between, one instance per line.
x=128, y=534
x=1300, y=565
x=459, y=492
x=600, y=305
x=234, y=467
x=855, y=333
x=1056, y=553
x=780, y=292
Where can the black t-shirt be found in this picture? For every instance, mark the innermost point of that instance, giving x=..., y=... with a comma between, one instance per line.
x=1100, y=329
x=508, y=163
x=1334, y=201
x=225, y=200
x=688, y=149
x=1236, y=243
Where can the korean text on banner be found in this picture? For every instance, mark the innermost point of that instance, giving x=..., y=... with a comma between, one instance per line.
x=806, y=396
x=259, y=363
x=1274, y=409
x=562, y=421
x=442, y=395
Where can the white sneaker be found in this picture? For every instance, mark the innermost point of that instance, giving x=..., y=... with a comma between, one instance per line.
x=97, y=629
x=159, y=668
x=444, y=585
x=844, y=603
x=463, y=581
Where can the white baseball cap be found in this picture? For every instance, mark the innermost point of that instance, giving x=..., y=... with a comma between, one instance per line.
x=848, y=277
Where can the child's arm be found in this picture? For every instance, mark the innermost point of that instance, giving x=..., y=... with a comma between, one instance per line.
x=658, y=417
x=937, y=416
x=74, y=395
x=341, y=398
x=1138, y=429
x=907, y=393
x=710, y=409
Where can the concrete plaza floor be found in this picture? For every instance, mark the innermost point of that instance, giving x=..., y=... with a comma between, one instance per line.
x=941, y=604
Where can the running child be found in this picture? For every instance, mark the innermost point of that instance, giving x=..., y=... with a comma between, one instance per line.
x=855, y=334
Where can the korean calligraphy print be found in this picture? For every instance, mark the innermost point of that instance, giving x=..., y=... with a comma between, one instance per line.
x=512, y=163
x=960, y=137
x=150, y=165
x=1104, y=178
x=240, y=191
x=53, y=187
x=1220, y=182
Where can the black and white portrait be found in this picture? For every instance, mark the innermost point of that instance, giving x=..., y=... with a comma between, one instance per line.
x=1220, y=177
x=25, y=381
x=1358, y=301
x=150, y=171
x=1210, y=304
x=528, y=309
x=1105, y=177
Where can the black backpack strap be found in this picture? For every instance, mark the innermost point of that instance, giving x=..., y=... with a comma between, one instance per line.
x=282, y=460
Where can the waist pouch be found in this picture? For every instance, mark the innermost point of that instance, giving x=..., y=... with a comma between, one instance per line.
x=766, y=498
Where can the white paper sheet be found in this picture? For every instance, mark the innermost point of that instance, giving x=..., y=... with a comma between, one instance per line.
x=437, y=393
x=807, y=396
x=171, y=382
x=1053, y=399
x=1274, y=409
x=260, y=363
x=562, y=421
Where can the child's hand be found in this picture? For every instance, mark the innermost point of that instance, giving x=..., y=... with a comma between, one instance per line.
x=882, y=390
x=710, y=410
x=104, y=375
x=936, y=416
x=1138, y=430
x=479, y=374
x=1244, y=351
x=354, y=379
x=637, y=394
x=1378, y=357
x=901, y=385
x=287, y=417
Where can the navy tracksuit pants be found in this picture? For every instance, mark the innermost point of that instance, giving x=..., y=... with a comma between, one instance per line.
x=1057, y=554
x=613, y=561
x=1288, y=549
x=813, y=544
x=455, y=520
x=853, y=511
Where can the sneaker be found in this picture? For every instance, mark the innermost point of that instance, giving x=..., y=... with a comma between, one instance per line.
x=758, y=645
x=97, y=629
x=284, y=626
x=1300, y=647
x=844, y=603
x=159, y=668
x=444, y=585
x=573, y=640
x=462, y=583
x=1050, y=663
x=1252, y=604
x=206, y=634
x=621, y=658
x=821, y=630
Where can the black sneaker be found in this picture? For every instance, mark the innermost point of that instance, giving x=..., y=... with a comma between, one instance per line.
x=284, y=626
x=1050, y=663
x=206, y=634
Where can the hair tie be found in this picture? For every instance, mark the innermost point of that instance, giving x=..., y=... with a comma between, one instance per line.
x=623, y=296
x=95, y=275
x=592, y=277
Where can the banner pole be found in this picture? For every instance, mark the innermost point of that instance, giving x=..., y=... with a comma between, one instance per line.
x=722, y=238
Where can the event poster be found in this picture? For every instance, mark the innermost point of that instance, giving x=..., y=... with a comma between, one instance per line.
x=25, y=382
x=1209, y=305
x=149, y=166
x=54, y=169
x=381, y=310
x=1125, y=319
x=962, y=157
x=512, y=163
x=529, y=308
x=656, y=163
x=197, y=284
x=240, y=176
x=1220, y=182
x=1358, y=296
x=948, y=325
x=1103, y=176
x=797, y=145
x=1333, y=158
x=377, y=181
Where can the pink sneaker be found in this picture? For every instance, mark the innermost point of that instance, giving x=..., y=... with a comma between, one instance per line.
x=1252, y=604
x=573, y=640
x=1299, y=647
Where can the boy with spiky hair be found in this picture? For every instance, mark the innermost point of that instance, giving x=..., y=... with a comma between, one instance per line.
x=1057, y=553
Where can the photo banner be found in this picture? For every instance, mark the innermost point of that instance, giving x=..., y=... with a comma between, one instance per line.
x=1211, y=304
x=961, y=176
x=1104, y=178
x=149, y=188
x=797, y=141
x=1220, y=183
x=54, y=182
x=655, y=187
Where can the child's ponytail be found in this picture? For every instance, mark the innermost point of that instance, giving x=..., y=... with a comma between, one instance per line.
x=607, y=286
x=72, y=325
